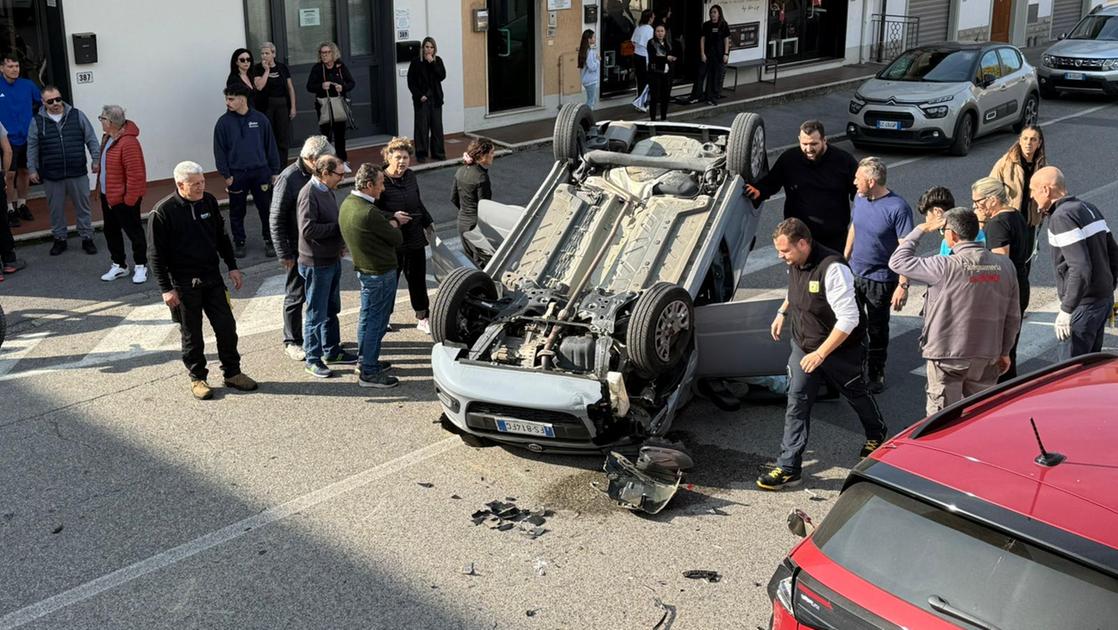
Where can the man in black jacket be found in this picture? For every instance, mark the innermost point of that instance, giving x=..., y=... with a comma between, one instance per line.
x=818, y=183
x=1086, y=260
x=186, y=236
x=285, y=237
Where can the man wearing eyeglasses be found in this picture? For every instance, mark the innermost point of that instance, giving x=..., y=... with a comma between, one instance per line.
x=57, y=141
x=971, y=312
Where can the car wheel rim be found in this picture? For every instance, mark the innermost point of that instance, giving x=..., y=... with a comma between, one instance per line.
x=674, y=319
x=1030, y=112
x=757, y=155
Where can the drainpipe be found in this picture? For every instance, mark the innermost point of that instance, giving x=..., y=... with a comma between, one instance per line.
x=881, y=30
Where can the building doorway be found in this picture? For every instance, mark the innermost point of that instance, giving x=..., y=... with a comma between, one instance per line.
x=999, y=21
x=362, y=29
x=806, y=29
x=32, y=29
x=511, y=41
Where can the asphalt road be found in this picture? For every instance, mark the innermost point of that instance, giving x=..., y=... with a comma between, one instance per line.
x=316, y=504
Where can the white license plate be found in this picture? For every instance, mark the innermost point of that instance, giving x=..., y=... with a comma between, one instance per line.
x=525, y=427
x=888, y=124
x=1074, y=76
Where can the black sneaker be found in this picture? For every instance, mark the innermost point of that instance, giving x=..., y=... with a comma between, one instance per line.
x=25, y=212
x=13, y=218
x=269, y=250
x=876, y=383
x=778, y=478
x=870, y=446
x=58, y=247
x=88, y=246
x=239, y=250
x=380, y=380
x=341, y=358
x=318, y=370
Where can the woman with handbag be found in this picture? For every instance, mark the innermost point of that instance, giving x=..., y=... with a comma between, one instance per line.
x=425, y=78
x=331, y=83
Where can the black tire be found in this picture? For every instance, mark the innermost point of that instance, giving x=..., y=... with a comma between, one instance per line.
x=964, y=135
x=745, y=152
x=452, y=318
x=1030, y=113
x=3, y=326
x=572, y=125
x=1049, y=93
x=661, y=328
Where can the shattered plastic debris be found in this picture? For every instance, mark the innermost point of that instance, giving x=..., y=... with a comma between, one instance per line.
x=651, y=483
x=503, y=516
x=703, y=574
x=425, y=484
x=668, y=618
x=469, y=569
x=540, y=565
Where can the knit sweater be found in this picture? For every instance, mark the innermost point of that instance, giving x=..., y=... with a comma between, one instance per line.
x=320, y=239
x=370, y=238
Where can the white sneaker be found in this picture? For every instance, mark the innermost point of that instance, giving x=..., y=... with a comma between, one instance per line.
x=423, y=326
x=294, y=352
x=114, y=272
x=346, y=169
x=139, y=274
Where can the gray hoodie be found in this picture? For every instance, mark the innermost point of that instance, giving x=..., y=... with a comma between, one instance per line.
x=972, y=309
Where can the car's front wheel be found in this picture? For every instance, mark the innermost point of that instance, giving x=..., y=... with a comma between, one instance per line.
x=746, y=154
x=661, y=328
x=1029, y=113
x=458, y=312
x=572, y=126
x=964, y=135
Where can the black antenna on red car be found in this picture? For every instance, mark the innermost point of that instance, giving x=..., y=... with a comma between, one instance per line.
x=1045, y=458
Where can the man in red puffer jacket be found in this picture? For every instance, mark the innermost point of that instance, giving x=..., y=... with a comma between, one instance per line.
x=121, y=185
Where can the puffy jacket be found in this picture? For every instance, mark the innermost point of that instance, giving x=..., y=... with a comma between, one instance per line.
x=57, y=150
x=126, y=176
x=285, y=198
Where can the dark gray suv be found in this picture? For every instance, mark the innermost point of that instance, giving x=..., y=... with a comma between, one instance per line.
x=1084, y=60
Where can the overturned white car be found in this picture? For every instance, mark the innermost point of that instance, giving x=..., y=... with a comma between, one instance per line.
x=611, y=292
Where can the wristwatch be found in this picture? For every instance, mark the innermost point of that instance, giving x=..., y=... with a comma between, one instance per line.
x=904, y=285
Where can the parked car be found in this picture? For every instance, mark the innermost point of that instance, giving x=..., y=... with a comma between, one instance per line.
x=611, y=292
x=1086, y=59
x=945, y=96
x=966, y=519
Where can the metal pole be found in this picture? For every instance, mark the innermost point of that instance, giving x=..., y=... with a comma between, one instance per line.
x=881, y=30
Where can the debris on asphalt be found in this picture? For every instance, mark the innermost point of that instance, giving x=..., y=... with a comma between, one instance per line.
x=425, y=484
x=531, y=612
x=540, y=565
x=455, y=496
x=469, y=569
x=505, y=515
x=57, y=529
x=652, y=481
x=668, y=618
x=703, y=574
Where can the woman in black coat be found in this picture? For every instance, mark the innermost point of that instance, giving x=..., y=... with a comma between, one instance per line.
x=331, y=77
x=425, y=82
x=660, y=64
x=471, y=185
x=240, y=73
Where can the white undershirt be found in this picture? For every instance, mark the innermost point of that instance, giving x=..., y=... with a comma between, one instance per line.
x=840, y=296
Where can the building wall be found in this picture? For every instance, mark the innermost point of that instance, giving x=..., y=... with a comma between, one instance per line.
x=166, y=68
x=442, y=20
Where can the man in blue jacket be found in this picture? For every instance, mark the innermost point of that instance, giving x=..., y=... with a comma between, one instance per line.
x=246, y=156
x=57, y=141
x=18, y=99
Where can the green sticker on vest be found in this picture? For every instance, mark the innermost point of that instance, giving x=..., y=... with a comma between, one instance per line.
x=813, y=286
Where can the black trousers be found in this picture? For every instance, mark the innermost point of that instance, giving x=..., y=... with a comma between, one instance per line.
x=212, y=299
x=1023, y=295
x=659, y=93
x=336, y=135
x=295, y=295
x=7, y=243
x=708, y=82
x=875, y=299
x=121, y=220
x=278, y=112
x=429, y=131
x=413, y=265
x=640, y=69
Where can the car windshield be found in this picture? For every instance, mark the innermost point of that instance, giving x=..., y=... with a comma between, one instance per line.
x=1100, y=27
x=931, y=64
x=916, y=551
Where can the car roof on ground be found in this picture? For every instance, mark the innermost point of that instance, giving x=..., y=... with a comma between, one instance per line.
x=988, y=450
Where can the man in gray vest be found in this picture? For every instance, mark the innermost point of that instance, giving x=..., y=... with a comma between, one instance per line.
x=57, y=142
x=827, y=332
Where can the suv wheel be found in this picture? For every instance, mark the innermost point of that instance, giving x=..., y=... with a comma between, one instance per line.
x=964, y=135
x=1029, y=114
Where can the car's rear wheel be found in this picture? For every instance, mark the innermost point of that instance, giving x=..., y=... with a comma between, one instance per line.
x=661, y=328
x=457, y=313
x=1030, y=113
x=572, y=126
x=746, y=154
x=964, y=135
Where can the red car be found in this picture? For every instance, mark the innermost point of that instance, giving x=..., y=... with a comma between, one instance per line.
x=966, y=520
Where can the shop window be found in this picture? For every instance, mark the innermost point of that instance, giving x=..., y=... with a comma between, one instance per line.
x=308, y=23
x=360, y=28
x=619, y=20
x=258, y=17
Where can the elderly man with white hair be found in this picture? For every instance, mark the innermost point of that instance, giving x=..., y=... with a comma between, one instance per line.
x=121, y=185
x=187, y=240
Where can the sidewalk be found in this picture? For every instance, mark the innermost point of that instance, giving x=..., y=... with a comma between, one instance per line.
x=518, y=136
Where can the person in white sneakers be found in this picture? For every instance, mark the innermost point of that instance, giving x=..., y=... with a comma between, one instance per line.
x=121, y=185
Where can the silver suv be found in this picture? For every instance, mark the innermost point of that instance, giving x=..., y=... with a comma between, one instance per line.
x=945, y=96
x=1085, y=60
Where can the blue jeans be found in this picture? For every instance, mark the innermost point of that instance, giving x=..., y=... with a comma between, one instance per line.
x=321, y=333
x=1088, y=323
x=591, y=94
x=378, y=297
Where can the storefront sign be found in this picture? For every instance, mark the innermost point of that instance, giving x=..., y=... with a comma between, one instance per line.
x=746, y=35
x=310, y=17
x=555, y=5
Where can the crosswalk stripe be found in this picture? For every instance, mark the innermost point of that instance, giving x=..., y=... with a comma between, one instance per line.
x=18, y=347
x=260, y=313
x=143, y=330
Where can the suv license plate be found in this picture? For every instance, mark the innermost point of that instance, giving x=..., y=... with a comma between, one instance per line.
x=525, y=427
x=1074, y=76
x=888, y=124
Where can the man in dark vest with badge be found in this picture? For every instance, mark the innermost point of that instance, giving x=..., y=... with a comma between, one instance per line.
x=827, y=334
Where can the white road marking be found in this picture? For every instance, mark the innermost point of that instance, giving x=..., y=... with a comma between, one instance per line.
x=263, y=307
x=16, y=348
x=221, y=536
x=142, y=331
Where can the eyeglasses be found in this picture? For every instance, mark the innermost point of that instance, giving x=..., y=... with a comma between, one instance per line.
x=53, y=101
x=102, y=118
x=244, y=59
x=337, y=174
x=975, y=202
x=325, y=52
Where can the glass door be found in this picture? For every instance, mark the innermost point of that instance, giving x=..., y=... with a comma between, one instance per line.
x=512, y=54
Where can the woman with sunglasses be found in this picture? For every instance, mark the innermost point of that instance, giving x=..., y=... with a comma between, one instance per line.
x=240, y=72
x=331, y=77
